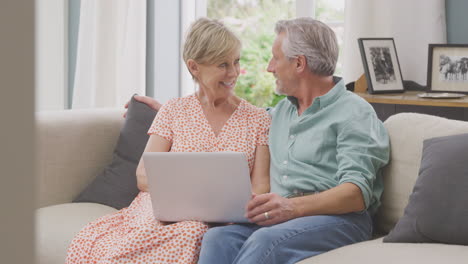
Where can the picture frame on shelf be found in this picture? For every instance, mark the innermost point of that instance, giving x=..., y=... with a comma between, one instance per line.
x=381, y=65
x=447, y=68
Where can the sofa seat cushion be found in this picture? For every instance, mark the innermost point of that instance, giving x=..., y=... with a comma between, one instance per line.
x=57, y=225
x=375, y=251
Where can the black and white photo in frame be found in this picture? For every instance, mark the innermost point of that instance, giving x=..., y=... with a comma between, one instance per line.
x=448, y=68
x=381, y=66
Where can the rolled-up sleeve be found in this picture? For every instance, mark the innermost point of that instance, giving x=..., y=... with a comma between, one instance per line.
x=362, y=149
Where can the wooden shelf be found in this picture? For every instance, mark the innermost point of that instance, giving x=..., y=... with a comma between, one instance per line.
x=411, y=98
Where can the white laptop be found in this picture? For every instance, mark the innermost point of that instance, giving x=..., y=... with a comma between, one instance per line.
x=202, y=186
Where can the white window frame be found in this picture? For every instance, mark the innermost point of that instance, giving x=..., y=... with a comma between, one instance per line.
x=172, y=19
x=166, y=56
x=305, y=8
x=189, y=11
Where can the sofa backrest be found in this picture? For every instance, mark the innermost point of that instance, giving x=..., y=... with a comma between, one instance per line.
x=73, y=146
x=407, y=132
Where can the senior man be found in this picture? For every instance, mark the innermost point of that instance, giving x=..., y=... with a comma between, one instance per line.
x=326, y=146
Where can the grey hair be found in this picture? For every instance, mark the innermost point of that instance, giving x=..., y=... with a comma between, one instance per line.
x=313, y=39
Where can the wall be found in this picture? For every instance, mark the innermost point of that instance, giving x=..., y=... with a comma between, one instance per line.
x=51, y=60
x=457, y=21
x=17, y=131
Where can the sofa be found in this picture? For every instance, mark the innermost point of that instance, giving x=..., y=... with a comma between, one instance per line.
x=73, y=146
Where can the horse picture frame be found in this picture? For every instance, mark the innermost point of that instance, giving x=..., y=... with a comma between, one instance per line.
x=447, y=68
x=381, y=66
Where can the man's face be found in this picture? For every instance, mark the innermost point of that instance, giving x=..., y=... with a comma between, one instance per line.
x=282, y=68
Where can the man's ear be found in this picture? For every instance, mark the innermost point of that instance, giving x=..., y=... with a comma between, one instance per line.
x=193, y=67
x=301, y=63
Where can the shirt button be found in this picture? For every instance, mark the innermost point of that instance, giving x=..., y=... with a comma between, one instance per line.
x=285, y=162
x=292, y=136
x=285, y=177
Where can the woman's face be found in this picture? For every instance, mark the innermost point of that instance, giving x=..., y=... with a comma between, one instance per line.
x=219, y=79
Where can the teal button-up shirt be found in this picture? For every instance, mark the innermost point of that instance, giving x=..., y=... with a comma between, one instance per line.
x=337, y=139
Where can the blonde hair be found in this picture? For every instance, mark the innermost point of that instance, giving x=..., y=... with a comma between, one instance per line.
x=209, y=42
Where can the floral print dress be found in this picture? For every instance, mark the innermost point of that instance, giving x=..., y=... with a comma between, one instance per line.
x=133, y=235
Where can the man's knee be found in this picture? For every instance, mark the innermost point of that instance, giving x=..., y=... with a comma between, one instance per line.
x=214, y=234
x=262, y=236
x=260, y=247
x=222, y=244
x=210, y=247
x=262, y=242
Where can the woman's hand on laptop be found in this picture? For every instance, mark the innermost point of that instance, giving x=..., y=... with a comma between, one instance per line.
x=269, y=209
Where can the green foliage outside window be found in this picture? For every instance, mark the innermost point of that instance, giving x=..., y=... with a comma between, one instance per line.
x=255, y=84
x=254, y=22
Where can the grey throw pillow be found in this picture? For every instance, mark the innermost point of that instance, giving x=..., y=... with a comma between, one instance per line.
x=116, y=185
x=437, y=211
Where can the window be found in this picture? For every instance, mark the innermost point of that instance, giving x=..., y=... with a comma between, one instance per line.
x=254, y=22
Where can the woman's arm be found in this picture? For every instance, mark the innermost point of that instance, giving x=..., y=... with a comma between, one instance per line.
x=260, y=176
x=155, y=144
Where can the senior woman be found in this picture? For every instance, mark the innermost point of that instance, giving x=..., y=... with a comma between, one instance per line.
x=211, y=120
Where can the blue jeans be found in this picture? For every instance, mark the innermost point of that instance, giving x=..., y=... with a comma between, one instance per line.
x=287, y=242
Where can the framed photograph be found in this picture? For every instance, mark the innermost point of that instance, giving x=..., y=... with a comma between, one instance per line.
x=447, y=68
x=381, y=66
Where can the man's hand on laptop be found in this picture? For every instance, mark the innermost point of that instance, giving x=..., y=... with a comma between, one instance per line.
x=152, y=103
x=270, y=209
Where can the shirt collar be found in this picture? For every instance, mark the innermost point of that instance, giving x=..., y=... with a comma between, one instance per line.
x=329, y=97
x=334, y=93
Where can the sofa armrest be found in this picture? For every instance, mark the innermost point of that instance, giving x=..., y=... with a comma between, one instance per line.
x=73, y=146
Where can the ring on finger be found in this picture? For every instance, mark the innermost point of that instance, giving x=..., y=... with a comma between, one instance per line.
x=267, y=215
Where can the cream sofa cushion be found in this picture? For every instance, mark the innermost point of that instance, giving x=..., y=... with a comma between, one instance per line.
x=73, y=146
x=57, y=225
x=375, y=251
x=407, y=132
